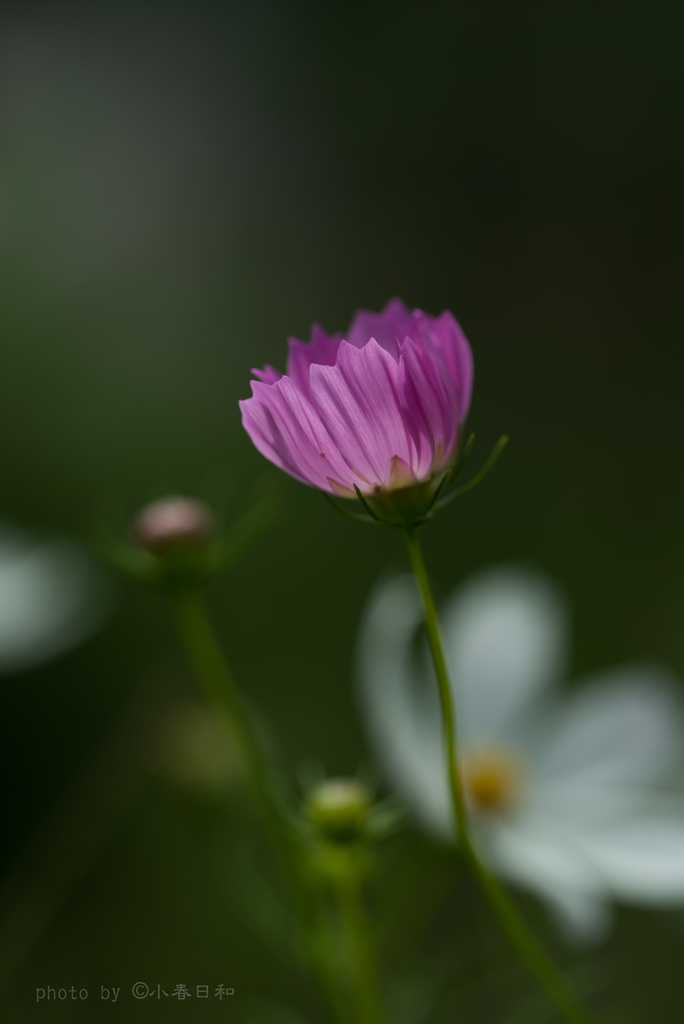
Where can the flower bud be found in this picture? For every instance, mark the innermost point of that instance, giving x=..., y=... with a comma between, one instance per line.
x=339, y=808
x=172, y=523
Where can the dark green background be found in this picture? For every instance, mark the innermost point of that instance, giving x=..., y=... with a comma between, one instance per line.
x=182, y=187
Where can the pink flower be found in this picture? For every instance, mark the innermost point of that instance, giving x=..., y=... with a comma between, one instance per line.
x=380, y=409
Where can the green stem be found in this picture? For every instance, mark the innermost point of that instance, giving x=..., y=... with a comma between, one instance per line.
x=522, y=939
x=222, y=693
x=359, y=943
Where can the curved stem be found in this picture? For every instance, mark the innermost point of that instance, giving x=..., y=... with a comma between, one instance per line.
x=222, y=693
x=523, y=940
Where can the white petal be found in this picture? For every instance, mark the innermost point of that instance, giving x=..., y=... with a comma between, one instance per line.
x=583, y=918
x=582, y=807
x=50, y=598
x=640, y=860
x=506, y=638
x=539, y=857
x=400, y=707
x=621, y=730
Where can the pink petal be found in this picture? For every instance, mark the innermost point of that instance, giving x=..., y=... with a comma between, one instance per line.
x=428, y=408
x=269, y=375
x=322, y=350
x=447, y=335
x=392, y=323
x=358, y=403
x=287, y=430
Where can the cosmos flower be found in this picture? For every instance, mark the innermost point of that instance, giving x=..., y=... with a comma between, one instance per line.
x=571, y=795
x=380, y=408
x=51, y=598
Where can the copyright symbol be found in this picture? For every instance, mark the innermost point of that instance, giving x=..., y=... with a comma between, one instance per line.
x=141, y=990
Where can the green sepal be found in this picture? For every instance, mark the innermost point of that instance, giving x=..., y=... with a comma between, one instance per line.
x=478, y=478
x=185, y=565
x=408, y=507
x=126, y=558
x=347, y=513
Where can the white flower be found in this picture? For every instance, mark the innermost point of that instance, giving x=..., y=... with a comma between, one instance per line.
x=51, y=597
x=570, y=794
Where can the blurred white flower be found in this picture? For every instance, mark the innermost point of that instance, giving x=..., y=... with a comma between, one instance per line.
x=51, y=597
x=571, y=794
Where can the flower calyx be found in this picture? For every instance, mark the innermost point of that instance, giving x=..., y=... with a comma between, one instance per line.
x=411, y=505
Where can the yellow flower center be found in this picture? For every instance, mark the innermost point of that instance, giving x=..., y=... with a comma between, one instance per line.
x=491, y=779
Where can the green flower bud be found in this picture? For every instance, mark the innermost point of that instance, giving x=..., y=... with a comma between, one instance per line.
x=339, y=808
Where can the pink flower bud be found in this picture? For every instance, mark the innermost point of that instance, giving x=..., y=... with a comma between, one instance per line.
x=172, y=523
